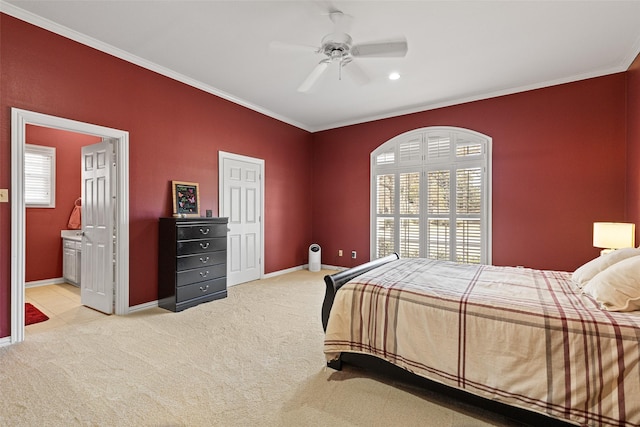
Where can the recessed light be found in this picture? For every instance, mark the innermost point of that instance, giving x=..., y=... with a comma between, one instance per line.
x=394, y=76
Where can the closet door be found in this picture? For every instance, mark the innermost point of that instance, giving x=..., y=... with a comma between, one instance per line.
x=241, y=202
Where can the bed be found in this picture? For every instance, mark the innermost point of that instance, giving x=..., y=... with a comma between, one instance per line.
x=531, y=339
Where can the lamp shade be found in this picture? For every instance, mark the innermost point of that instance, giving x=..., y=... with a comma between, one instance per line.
x=614, y=235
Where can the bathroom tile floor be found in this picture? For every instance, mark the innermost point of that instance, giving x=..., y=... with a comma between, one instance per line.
x=61, y=302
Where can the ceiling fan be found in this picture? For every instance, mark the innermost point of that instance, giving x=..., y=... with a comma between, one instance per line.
x=338, y=47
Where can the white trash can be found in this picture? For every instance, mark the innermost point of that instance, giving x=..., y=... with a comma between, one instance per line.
x=314, y=257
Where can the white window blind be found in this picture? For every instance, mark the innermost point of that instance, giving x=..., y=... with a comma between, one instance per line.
x=468, y=241
x=410, y=213
x=409, y=237
x=385, y=242
x=438, y=238
x=469, y=191
x=438, y=192
x=39, y=176
x=410, y=193
x=386, y=158
x=386, y=194
x=438, y=146
x=410, y=151
x=431, y=196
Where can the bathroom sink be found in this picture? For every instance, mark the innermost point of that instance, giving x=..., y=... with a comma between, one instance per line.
x=71, y=234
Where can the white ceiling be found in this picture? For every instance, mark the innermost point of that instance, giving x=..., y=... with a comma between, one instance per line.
x=458, y=50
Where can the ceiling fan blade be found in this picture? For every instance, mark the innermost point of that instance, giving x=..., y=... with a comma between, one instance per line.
x=313, y=77
x=292, y=47
x=357, y=73
x=383, y=49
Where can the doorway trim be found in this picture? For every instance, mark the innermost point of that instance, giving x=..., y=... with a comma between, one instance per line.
x=19, y=121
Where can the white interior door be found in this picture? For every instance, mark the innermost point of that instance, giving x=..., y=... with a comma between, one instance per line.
x=97, y=282
x=242, y=202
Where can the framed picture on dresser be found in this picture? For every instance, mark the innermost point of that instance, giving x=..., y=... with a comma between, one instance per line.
x=186, y=198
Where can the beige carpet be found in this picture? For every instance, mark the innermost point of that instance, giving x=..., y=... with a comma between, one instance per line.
x=252, y=359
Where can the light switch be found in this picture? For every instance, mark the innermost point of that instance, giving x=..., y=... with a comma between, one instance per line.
x=4, y=195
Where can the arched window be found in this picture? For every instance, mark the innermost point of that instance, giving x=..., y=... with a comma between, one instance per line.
x=431, y=195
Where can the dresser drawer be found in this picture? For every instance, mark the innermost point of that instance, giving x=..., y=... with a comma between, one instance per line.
x=200, y=289
x=187, y=262
x=187, y=247
x=201, y=231
x=201, y=274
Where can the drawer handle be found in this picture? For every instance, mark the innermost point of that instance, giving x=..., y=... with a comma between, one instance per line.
x=204, y=289
x=204, y=245
x=205, y=274
x=204, y=260
x=204, y=231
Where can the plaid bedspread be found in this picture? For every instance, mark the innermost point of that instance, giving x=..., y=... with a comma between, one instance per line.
x=525, y=337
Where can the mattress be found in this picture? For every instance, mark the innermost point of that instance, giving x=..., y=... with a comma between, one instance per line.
x=528, y=338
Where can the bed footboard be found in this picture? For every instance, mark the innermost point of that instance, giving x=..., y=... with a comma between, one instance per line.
x=335, y=282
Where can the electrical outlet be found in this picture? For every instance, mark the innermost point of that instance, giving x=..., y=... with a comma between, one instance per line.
x=339, y=252
x=4, y=195
x=353, y=254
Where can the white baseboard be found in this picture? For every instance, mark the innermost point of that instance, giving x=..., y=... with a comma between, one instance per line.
x=45, y=282
x=285, y=271
x=300, y=267
x=5, y=341
x=332, y=267
x=143, y=306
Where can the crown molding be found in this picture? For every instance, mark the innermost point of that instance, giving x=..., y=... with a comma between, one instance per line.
x=63, y=31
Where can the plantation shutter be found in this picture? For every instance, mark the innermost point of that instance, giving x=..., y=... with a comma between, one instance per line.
x=468, y=218
x=39, y=176
x=439, y=212
x=410, y=151
x=438, y=147
x=385, y=214
x=431, y=195
x=409, y=215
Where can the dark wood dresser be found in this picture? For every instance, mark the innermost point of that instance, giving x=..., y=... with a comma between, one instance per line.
x=192, y=261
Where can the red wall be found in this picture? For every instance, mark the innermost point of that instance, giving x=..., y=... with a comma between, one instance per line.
x=43, y=245
x=559, y=157
x=558, y=166
x=175, y=133
x=633, y=145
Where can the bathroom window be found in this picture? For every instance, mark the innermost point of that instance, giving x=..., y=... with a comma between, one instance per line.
x=39, y=176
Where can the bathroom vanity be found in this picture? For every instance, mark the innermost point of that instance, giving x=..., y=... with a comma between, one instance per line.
x=71, y=256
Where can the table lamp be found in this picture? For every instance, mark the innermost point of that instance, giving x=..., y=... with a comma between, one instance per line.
x=613, y=235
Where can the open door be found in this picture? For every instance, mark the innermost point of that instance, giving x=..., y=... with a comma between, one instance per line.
x=97, y=270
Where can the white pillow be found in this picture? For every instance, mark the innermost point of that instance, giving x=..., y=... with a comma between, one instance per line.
x=618, y=287
x=587, y=271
